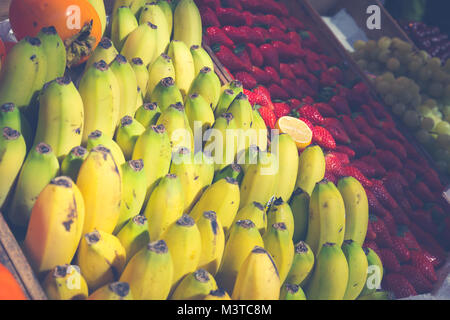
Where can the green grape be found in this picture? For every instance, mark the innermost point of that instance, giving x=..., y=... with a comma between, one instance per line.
x=427, y=123
x=371, y=45
x=399, y=109
x=439, y=76
x=362, y=64
x=443, y=140
x=393, y=64
x=390, y=99
x=425, y=74
x=411, y=119
x=424, y=137
x=436, y=90
x=373, y=67
x=384, y=43
x=442, y=128
x=431, y=103
x=359, y=44
x=388, y=76
x=384, y=56
x=383, y=87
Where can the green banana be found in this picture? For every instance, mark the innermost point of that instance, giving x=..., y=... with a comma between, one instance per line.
x=377, y=295
x=166, y=93
x=200, y=115
x=134, y=236
x=374, y=273
x=142, y=75
x=256, y=213
x=167, y=9
x=39, y=168
x=55, y=52
x=105, y=51
x=122, y=24
x=291, y=292
x=97, y=138
x=201, y=59
x=280, y=211
x=330, y=276
x=233, y=171
x=152, y=13
x=302, y=265
x=127, y=134
x=207, y=84
x=225, y=100
x=183, y=65
x=357, y=268
x=71, y=164
x=187, y=23
x=287, y=153
x=311, y=168
x=160, y=69
x=113, y=291
x=10, y=116
x=299, y=204
x=141, y=43
x=235, y=86
x=148, y=114
x=195, y=286
x=13, y=151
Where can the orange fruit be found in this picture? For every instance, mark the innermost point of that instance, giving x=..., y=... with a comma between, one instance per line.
x=297, y=129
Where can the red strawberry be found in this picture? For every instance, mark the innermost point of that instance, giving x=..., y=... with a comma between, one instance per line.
x=288, y=52
x=281, y=109
x=390, y=223
x=422, y=190
x=408, y=238
x=350, y=126
x=400, y=216
x=249, y=18
x=389, y=260
x=326, y=110
x=299, y=68
x=398, y=285
x=364, y=127
x=261, y=76
x=242, y=54
x=248, y=81
x=236, y=4
x=229, y=59
x=308, y=123
x=260, y=35
x=384, y=238
x=336, y=73
x=216, y=35
x=403, y=202
x=394, y=183
x=230, y=16
x=305, y=87
x=347, y=150
x=409, y=175
x=288, y=23
x=270, y=55
x=350, y=171
x=209, y=18
x=239, y=35
x=327, y=80
x=389, y=160
x=370, y=235
x=400, y=250
x=335, y=127
x=308, y=100
x=330, y=177
x=414, y=201
x=416, y=167
x=371, y=117
x=311, y=113
x=268, y=116
x=323, y=138
x=397, y=148
x=365, y=168
x=359, y=94
x=262, y=97
x=341, y=157
x=310, y=41
x=419, y=260
x=286, y=72
x=375, y=206
x=382, y=194
x=416, y=278
x=427, y=240
x=291, y=88
x=294, y=38
x=276, y=34
x=273, y=73
x=333, y=163
x=278, y=92
x=251, y=96
x=379, y=110
x=268, y=21
x=213, y=4
x=374, y=163
x=424, y=219
x=255, y=55
x=297, y=23
x=372, y=245
x=435, y=259
x=433, y=181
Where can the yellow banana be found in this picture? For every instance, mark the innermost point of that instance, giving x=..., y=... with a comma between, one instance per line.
x=243, y=114
x=152, y=13
x=165, y=206
x=287, y=153
x=225, y=100
x=311, y=168
x=244, y=236
x=221, y=197
x=166, y=93
x=183, y=64
x=105, y=51
x=374, y=273
x=122, y=24
x=377, y=295
x=100, y=92
x=258, y=278
x=248, y=157
x=141, y=43
x=13, y=151
x=11, y=117
x=65, y=282
x=160, y=69
x=55, y=227
x=195, y=286
x=100, y=175
x=357, y=268
x=167, y=9
x=134, y=236
x=356, y=209
x=133, y=193
x=150, y=272
x=280, y=211
x=201, y=59
x=127, y=134
x=142, y=75
x=218, y=294
x=255, y=212
x=55, y=52
x=39, y=168
x=99, y=7
x=261, y=130
x=97, y=138
x=61, y=117
x=234, y=85
x=291, y=292
x=231, y=171
x=302, y=265
x=200, y=115
x=113, y=291
x=140, y=99
x=101, y=258
x=72, y=162
x=134, y=5
x=187, y=23
x=213, y=242
x=148, y=114
x=185, y=245
x=330, y=275
x=207, y=84
x=300, y=209
x=339, y=216
x=278, y=242
x=205, y=169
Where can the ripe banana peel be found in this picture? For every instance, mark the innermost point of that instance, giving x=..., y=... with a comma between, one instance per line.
x=207, y=84
x=287, y=153
x=166, y=93
x=201, y=59
x=10, y=116
x=141, y=43
x=183, y=64
x=299, y=204
x=71, y=164
x=225, y=100
x=105, y=51
x=148, y=114
x=113, y=291
x=55, y=51
x=160, y=69
x=65, y=282
x=255, y=212
x=187, y=23
x=233, y=171
x=134, y=236
x=280, y=212
x=311, y=168
x=152, y=12
x=167, y=10
x=375, y=275
x=218, y=294
x=97, y=138
x=195, y=286
x=200, y=116
x=357, y=268
x=302, y=265
x=127, y=134
x=213, y=242
x=122, y=24
x=142, y=75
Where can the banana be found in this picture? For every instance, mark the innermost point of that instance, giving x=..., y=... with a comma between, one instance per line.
x=142, y=75
x=165, y=206
x=311, y=168
x=261, y=130
x=150, y=272
x=127, y=81
x=233, y=171
x=205, y=169
x=280, y=211
x=71, y=164
x=166, y=93
x=243, y=114
x=10, y=116
x=377, y=295
x=133, y=193
x=55, y=52
x=127, y=134
x=160, y=69
x=339, y=215
x=201, y=59
x=141, y=43
x=134, y=5
x=225, y=100
x=195, y=286
x=260, y=180
x=153, y=13
x=153, y=147
x=185, y=244
x=122, y=24
x=113, y=291
x=39, y=168
x=55, y=226
x=207, y=84
x=374, y=273
x=100, y=92
x=168, y=12
x=235, y=86
x=187, y=23
x=99, y=7
x=101, y=258
x=218, y=294
x=97, y=138
x=13, y=151
x=242, y=239
x=61, y=117
x=258, y=278
x=247, y=157
x=105, y=51
x=65, y=282
x=148, y=114
x=292, y=292
x=213, y=242
x=330, y=276
x=356, y=209
x=183, y=64
x=256, y=213
x=287, y=153
x=100, y=175
x=134, y=236
x=357, y=269
x=302, y=265
x=175, y=121
x=221, y=197
x=299, y=204
x=200, y=115
x=21, y=74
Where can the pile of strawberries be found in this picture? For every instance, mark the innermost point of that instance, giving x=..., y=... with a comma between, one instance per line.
x=285, y=72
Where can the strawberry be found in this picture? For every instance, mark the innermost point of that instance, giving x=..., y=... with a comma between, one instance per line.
x=362, y=146
x=409, y=175
x=213, y=4
x=305, y=87
x=262, y=97
x=424, y=219
x=282, y=10
x=249, y=18
x=333, y=163
x=294, y=38
x=216, y=35
x=310, y=41
x=336, y=73
x=372, y=245
x=273, y=73
x=408, y=238
x=286, y=72
x=416, y=278
x=288, y=52
x=375, y=206
x=255, y=55
x=330, y=177
x=260, y=36
x=335, y=127
x=350, y=126
x=326, y=110
x=419, y=260
x=365, y=168
x=242, y=54
x=271, y=57
x=382, y=194
x=236, y=4
x=230, y=17
x=341, y=157
x=268, y=116
x=398, y=285
x=209, y=18
x=248, y=81
x=400, y=216
x=308, y=123
x=400, y=250
x=389, y=260
x=268, y=20
x=276, y=34
x=364, y=127
x=390, y=223
x=427, y=240
x=265, y=6
x=414, y=201
x=359, y=94
x=403, y=202
x=384, y=238
x=347, y=150
x=350, y=171
x=397, y=148
x=278, y=92
x=239, y=35
x=281, y=109
x=435, y=259
x=323, y=137
x=260, y=75
x=423, y=192
x=291, y=88
x=433, y=181
x=298, y=25
x=229, y=59
x=311, y=113
x=371, y=117
x=294, y=103
x=299, y=68
x=370, y=235
x=288, y=23
x=379, y=110
x=327, y=80
x=308, y=100
x=251, y=96
x=416, y=167
x=389, y=160
x=394, y=183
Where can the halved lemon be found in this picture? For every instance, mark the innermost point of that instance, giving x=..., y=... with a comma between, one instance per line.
x=297, y=129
